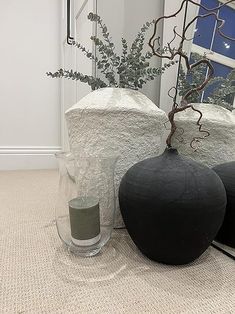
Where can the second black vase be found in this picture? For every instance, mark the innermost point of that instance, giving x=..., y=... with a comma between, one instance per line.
x=226, y=234
x=172, y=207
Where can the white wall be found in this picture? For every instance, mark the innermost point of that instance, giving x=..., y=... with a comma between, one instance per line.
x=29, y=101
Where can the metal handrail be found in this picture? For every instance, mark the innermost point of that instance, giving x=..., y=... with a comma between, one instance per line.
x=69, y=37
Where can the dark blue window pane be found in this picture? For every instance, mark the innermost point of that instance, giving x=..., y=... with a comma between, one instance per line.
x=222, y=45
x=205, y=26
x=210, y=4
x=220, y=70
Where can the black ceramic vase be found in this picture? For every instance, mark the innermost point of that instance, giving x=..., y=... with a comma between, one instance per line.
x=172, y=207
x=226, y=233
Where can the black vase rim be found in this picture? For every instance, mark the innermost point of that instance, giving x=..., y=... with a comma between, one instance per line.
x=171, y=150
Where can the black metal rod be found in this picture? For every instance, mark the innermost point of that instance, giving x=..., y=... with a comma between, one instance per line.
x=69, y=37
x=223, y=251
x=180, y=59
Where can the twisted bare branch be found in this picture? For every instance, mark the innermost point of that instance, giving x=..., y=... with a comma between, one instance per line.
x=170, y=53
x=198, y=138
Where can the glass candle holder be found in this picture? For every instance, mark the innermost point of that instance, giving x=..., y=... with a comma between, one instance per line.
x=85, y=207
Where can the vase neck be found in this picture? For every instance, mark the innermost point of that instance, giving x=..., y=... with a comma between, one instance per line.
x=171, y=150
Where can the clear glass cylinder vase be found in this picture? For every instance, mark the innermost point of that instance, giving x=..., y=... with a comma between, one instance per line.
x=85, y=207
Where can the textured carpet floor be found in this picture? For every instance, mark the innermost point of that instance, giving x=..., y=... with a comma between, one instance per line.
x=37, y=275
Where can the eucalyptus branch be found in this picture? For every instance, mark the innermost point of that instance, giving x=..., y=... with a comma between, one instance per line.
x=105, y=65
x=150, y=74
x=77, y=76
x=107, y=51
x=123, y=64
x=135, y=59
x=138, y=43
x=86, y=52
x=131, y=69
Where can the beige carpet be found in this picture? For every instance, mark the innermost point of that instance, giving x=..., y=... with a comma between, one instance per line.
x=37, y=275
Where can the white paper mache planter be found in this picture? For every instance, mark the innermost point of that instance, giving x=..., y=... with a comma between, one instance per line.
x=116, y=121
x=217, y=148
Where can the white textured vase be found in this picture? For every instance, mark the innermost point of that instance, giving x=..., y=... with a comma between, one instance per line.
x=116, y=121
x=217, y=148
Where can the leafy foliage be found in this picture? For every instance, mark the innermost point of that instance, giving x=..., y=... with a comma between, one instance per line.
x=74, y=75
x=223, y=88
x=130, y=70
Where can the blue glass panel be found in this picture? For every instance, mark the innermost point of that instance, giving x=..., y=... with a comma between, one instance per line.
x=220, y=70
x=222, y=45
x=210, y=4
x=205, y=26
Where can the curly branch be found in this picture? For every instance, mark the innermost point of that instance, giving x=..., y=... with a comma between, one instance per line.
x=220, y=24
x=197, y=138
x=171, y=117
x=179, y=137
x=171, y=53
x=200, y=87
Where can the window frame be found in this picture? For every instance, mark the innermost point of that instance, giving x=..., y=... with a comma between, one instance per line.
x=214, y=56
x=231, y=5
x=169, y=78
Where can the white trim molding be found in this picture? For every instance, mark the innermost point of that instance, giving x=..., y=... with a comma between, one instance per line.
x=214, y=56
x=28, y=157
x=29, y=150
x=231, y=5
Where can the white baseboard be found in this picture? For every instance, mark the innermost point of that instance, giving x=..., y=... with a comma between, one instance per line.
x=30, y=157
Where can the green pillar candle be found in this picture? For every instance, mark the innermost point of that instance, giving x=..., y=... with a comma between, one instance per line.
x=84, y=220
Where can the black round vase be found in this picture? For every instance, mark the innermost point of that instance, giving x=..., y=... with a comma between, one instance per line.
x=226, y=234
x=172, y=207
